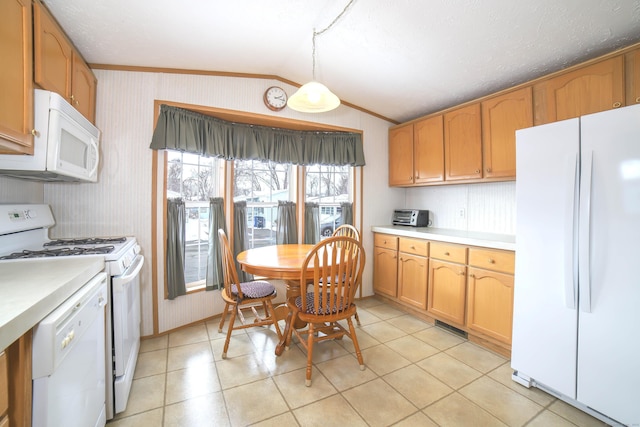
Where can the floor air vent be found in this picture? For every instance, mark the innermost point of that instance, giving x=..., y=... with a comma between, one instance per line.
x=453, y=329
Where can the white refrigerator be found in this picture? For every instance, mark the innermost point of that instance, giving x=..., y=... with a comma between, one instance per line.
x=576, y=321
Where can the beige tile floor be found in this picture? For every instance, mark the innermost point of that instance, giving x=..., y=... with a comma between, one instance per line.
x=417, y=375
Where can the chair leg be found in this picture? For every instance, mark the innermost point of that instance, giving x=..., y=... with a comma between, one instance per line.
x=310, y=339
x=229, y=330
x=357, y=319
x=270, y=313
x=224, y=315
x=354, y=338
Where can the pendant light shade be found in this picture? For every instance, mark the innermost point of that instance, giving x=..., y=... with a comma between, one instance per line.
x=313, y=97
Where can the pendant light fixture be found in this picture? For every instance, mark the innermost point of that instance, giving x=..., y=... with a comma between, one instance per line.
x=314, y=97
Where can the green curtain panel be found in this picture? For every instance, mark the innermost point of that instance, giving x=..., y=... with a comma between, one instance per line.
x=287, y=230
x=346, y=213
x=311, y=223
x=240, y=237
x=215, y=279
x=176, y=215
x=192, y=132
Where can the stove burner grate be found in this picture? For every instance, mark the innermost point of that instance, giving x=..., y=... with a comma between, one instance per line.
x=60, y=252
x=87, y=241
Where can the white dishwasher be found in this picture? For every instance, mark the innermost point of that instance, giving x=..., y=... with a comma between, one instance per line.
x=69, y=361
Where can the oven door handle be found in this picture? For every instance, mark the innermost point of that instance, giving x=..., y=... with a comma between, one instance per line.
x=131, y=272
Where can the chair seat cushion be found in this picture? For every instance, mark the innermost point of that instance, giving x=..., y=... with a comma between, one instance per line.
x=324, y=305
x=254, y=289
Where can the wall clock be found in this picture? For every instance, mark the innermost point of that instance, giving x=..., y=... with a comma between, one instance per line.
x=275, y=98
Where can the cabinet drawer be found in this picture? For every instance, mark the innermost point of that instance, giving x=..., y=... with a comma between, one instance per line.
x=386, y=241
x=449, y=252
x=492, y=259
x=414, y=246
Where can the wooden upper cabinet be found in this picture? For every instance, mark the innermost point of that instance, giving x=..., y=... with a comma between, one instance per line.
x=401, y=155
x=590, y=89
x=59, y=67
x=52, y=53
x=428, y=148
x=501, y=117
x=16, y=84
x=463, y=143
x=632, y=73
x=83, y=96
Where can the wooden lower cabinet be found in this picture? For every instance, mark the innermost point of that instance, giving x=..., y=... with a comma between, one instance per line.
x=490, y=303
x=447, y=291
x=412, y=272
x=4, y=391
x=467, y=287
x=385, y=264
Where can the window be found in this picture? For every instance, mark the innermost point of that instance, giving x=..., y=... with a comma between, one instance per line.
x=195, y=179
x=262, y=185
x=329, y=186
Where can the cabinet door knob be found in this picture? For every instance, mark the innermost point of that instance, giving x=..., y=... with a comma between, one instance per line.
x=616, y=104
x=35, y=132
x=477, y=170
x=488, y=170
x=492, y=261
x=472, y=275
x=638, y=99
x=462, y=273
x=446, y=254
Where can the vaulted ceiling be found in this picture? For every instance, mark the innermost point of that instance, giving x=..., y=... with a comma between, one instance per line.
x=400, y=59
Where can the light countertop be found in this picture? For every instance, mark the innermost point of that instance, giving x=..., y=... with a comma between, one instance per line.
x=30, y=289
x=472, y=238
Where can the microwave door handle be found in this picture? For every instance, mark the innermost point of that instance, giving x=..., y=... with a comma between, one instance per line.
x=94, y=145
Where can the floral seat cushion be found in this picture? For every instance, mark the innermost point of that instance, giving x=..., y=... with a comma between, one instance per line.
x=254, y=289
x=324, y=306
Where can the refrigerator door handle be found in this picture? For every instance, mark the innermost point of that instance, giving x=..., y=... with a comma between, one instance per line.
x=570, y=282
x=584, y=238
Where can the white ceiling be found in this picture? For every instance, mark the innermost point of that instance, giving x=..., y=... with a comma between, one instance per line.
x=398, y=58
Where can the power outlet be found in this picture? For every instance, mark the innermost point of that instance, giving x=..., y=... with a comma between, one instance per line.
x=462, y=213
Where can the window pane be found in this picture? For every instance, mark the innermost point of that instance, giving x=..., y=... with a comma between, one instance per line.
x=195, y=179
x=329, y=186
x=262, y=185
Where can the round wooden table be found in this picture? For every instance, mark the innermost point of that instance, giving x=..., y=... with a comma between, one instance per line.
x=278, y=262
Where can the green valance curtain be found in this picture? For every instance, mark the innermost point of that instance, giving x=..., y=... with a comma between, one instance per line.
x=192, y=132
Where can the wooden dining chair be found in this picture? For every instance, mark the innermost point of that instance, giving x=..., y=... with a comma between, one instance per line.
x=335, y=265
x=247, y=295
x=349, y=231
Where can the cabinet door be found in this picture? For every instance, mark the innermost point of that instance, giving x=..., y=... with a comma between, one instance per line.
x=490, y=303
x=83, y=94
x=412, y=279
x=463, y=143
x=52, y=54
x=632, y=77
x=428, y=145
x=501, y=117
x=385, y=271
x=447, y=291
x=401, y=155
x=16, y=84
x=4, y=388
x=594, y=88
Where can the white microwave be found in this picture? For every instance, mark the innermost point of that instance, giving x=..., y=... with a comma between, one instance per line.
x=65, y=144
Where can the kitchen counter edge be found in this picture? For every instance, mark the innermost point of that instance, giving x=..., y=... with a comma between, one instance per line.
x=462, y=237
x=29, y=296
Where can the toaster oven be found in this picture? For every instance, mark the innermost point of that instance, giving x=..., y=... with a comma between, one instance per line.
x=411, y=217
